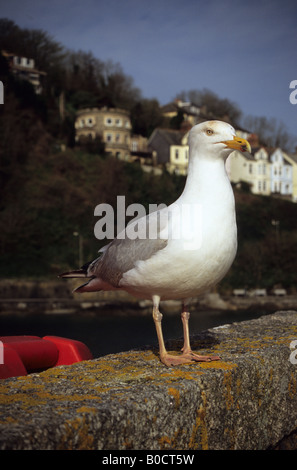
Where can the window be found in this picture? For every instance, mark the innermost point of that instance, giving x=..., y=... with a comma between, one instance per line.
x=109, y=138
x=176, y=154
x=134, y=146
x=108, y=121
x=259, y=185
x=117, y=138
x=118, y=122
x=250, y=168
x=186, y=154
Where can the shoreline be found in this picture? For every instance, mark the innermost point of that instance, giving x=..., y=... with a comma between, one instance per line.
x=47, y=306
x=54, y=297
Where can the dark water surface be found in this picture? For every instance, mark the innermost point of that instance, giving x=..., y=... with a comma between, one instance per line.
x=114, y=330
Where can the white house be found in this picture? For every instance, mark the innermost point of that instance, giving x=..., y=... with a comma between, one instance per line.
x=250, y=168
x=261, y=173
x=24, y=68
x=291, y=158
x=281, y=172
x=179, y=157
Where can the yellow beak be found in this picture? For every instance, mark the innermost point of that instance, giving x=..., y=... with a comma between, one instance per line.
x=238, y=144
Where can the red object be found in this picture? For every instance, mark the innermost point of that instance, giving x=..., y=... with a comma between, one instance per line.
x=25, y=354
x=34, y=352
x=70, y=350
x=13, y=365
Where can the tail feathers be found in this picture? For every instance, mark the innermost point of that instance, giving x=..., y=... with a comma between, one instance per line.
x=93, y=284
x=82, y=272
x=75, y=274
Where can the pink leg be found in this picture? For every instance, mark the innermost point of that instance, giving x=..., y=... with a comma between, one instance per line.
x=187, y=356
x=186, y=350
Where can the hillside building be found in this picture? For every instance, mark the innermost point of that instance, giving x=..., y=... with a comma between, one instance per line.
x=111, y=125
x=24, y=69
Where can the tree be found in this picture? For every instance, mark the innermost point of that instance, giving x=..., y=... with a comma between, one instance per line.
x=146, y=116
x=83, y=72
x=33, y=43
x=271, y=132
x=214, y=106
x=176, y=121
x=117, y=89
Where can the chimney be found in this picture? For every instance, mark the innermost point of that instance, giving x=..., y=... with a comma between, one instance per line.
x=253, y=140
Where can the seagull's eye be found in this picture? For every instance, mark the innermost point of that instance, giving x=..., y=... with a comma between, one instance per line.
x=209, y=131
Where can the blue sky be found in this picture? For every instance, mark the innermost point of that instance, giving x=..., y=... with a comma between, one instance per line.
x=243, y=51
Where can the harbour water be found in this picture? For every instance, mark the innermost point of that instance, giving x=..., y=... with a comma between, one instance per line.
x=112, y=330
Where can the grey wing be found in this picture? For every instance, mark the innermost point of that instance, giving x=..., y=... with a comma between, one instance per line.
x=123, y=252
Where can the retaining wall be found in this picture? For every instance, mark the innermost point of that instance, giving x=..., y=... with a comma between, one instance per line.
x=130, y=401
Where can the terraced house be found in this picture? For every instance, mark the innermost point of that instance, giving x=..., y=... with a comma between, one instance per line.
x=252, y=169
x=266, y=172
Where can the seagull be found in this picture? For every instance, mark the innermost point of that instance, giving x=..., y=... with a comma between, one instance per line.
x=188, y=246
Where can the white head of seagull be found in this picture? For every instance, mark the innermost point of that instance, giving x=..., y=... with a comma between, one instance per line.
x=215, y=140
x=161, y=268
x=210, y=144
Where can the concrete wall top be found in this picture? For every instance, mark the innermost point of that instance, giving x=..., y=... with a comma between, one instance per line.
x=131, y=401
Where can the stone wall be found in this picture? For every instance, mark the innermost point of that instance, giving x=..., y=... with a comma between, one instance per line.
x=130, y=401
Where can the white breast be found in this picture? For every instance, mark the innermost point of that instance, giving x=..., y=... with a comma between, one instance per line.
x=188, y=266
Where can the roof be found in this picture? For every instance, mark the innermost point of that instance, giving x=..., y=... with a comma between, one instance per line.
x=21, y=68
x=169, y=108
x=161, y=140
x=170, y=136
x=291, y=156
x=185, y=107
